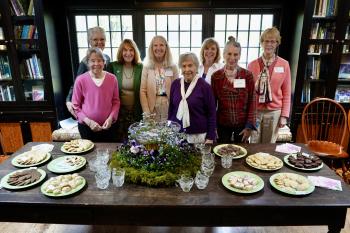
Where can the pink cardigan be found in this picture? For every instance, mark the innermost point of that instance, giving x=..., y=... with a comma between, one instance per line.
x=96, y=103
x=280, y=82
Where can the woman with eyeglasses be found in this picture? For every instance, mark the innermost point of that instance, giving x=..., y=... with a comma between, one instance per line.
x=97, y=39
x=273, y=88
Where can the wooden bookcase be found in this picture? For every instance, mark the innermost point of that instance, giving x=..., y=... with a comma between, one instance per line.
x=30, y=80
x=324, y=57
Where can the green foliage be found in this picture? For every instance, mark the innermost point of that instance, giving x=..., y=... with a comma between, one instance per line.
x=156, y=168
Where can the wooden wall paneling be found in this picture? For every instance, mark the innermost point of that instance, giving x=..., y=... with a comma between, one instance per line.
x=12, y=136
x=41, y=131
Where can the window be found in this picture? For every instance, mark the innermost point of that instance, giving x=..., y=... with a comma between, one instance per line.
x=246, y=28
x=117, y=27
x=183, y=31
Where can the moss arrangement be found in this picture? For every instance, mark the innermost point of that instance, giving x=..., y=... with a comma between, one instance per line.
x=157, y=167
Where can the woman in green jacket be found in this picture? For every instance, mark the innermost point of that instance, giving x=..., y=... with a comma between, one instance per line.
x=127, y=69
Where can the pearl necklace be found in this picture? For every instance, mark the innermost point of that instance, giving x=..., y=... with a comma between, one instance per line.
x=130, y=75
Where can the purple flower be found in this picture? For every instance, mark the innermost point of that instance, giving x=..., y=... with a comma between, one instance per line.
x=134, y=149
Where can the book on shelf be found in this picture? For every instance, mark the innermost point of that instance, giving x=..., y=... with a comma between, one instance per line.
x=344, y=71
x=38, y=93
x=31, y=8
x=7, y=93
x=17, y=7
x=31, y=68
x=5, y=71
x=342, y=94
x=325, y=8
x=2, y=37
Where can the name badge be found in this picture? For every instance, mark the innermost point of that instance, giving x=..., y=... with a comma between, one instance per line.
x=279, y=69
x=168, y=72
x=239, y=83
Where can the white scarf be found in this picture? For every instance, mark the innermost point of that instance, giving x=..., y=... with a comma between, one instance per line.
x=183, y=112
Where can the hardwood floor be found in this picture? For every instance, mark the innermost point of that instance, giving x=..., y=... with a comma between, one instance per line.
x=58, y=228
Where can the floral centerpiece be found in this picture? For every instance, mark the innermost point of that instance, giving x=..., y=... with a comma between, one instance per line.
x=156, y=154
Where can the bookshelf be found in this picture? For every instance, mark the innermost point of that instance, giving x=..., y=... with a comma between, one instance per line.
x=324, y=57
x=27, y=83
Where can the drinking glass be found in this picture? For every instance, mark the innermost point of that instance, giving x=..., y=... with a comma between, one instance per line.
x=102, y=179
x=186, y=183
x=118, y=176
x=201, y=180
x=226, y=161
x=102, y=155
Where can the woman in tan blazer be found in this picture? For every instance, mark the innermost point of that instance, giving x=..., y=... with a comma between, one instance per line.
x=157, y=75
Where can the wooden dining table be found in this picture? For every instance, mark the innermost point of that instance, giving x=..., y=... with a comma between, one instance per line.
x=144, y=206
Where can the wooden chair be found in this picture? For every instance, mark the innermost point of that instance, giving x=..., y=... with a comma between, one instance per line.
x=4, y=155
x=324, y=125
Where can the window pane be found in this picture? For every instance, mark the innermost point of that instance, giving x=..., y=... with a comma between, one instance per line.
x=82, y=39
x=231, y=33
x=267, y=21
x=92, y=21
x=149, y=36
x=162, y=22
x=185, y=39
x=196, y=51
x=115, y=23
x=253, y=53
x=108, y=51
x=220, y=22
x=231, y=22
x=80, y=23
x=255, y=21
x=104, y=22
x=254, y=38
x=175, y=53
x=184, y=50
x=243, y=38
x=243, y=55
x=185, y=22
x=108, y=38
x=116, y=38
x=196, y=39
x=126, y=23
x=243, y=22
x=220, y=37
x=173, y=22
x=127, y=35
x=150, y=23
x=164, y=34
x=114, y=53
x=174, y=39
x=197, y=22
x=82, y=53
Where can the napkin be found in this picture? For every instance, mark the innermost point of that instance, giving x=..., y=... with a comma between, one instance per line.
x=325, y=182
x=43, y=147
x=288, y=148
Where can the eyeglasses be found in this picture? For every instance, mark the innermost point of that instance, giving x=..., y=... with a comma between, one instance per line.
x=270, y=41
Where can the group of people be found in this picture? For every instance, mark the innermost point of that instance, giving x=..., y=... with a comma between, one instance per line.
x=212, y=101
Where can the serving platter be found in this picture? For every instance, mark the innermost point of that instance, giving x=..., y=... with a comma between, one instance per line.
x=243, y=152
x=226, y=182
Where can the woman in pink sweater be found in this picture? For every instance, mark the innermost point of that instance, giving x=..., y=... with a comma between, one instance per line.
x=273, y=88
x=96, y=100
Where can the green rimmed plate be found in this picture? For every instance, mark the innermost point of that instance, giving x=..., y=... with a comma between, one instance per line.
x=78, y=152
x=78, y=188
x=259, y=186
x=61, y=165
x=243, y=152
x=6, y=185
x=310, y=189
x=16, y=164
x=285, y=159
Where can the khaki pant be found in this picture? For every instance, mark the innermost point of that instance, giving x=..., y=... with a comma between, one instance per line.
x=267, y=126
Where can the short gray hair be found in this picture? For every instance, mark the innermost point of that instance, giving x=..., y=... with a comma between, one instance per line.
x=94, y=30
x=188, y=56
x=96, y=50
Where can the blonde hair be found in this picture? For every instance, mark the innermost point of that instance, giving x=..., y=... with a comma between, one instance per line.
x=273, y=31
x=150, y=59
x=132, y=44
x=232, y=42
x=188, y=56
x=206, y=44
